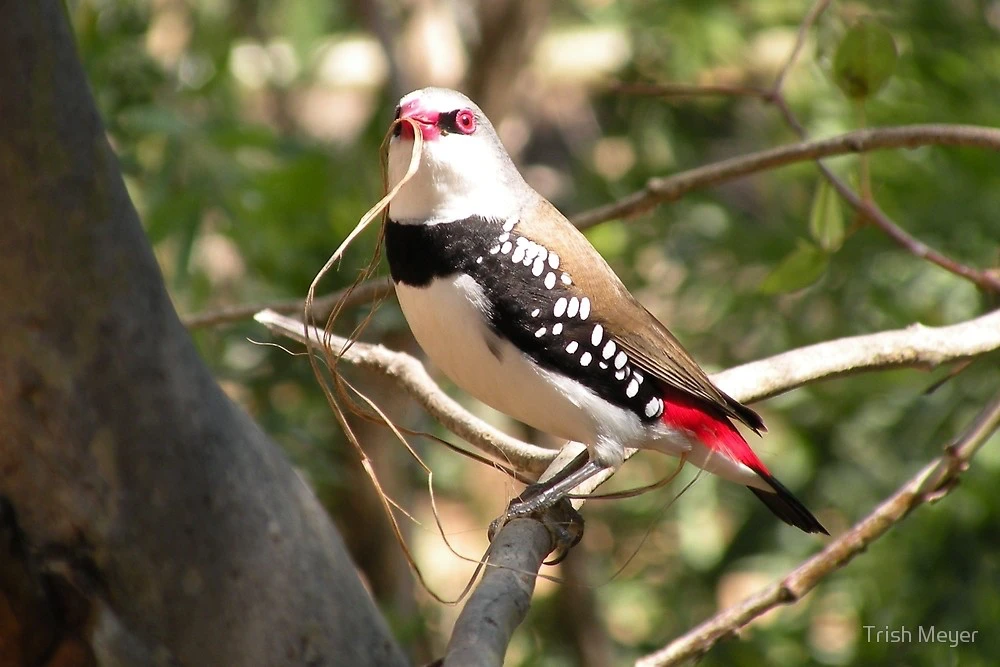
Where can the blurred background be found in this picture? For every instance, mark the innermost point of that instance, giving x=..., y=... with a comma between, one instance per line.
x=248, y=132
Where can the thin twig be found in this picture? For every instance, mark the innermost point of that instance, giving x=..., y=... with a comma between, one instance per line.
x=800, y=39
x=934, y=481
x=871, y=211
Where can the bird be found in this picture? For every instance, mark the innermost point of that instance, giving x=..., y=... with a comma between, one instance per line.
x=516, y=307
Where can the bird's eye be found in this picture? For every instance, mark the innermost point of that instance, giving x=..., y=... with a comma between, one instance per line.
x=465, y=121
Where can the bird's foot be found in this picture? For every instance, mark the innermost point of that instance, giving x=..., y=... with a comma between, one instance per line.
x=561, y=520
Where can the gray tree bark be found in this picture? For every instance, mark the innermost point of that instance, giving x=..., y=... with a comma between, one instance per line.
x=133, y=479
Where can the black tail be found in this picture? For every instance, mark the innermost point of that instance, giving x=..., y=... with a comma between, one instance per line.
x=787, y=507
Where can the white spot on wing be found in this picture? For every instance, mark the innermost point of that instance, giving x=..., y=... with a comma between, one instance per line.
x=507, y=245
x=553, y=260
x=503, y=237
x=550, y=280
x=495, y=249
x=509, y=225
x=566, y=279
x=540, y=332
x=560, y=306
x=609, y=350
x=479, y=260
x=585, y=359
x=621, y=360
x=574, y=306
x=585, y=309
x=595, y=338
x=653, y=407
x=571, y=348
x=638, y=377
x=632, y=389
x=557, y=328
x=518, y=253
x=602, y=364
x=620, y=375
x=535, y=312
x=538, y=267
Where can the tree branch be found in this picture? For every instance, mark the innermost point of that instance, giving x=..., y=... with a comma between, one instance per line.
x=411, y=376
x=671, y=188
x=916, y=346
x=934, y=481
x=502, y=598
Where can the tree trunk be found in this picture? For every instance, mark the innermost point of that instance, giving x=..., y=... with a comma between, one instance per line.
x=134, y=481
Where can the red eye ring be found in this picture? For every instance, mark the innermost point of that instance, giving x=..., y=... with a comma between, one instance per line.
x=465, y=121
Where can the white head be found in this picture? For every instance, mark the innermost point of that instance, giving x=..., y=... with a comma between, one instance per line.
x=464, y=169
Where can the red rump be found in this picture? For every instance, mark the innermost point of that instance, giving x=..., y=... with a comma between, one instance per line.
x=715, y=432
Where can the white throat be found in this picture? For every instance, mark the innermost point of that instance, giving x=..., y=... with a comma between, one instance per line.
x=458, y=177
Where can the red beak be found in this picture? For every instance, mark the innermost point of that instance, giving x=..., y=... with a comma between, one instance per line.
x=427, y=120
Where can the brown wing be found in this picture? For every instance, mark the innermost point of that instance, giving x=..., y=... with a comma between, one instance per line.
x=650, y=346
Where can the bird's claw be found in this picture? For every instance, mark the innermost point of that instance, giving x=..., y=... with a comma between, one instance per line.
x=561, y=520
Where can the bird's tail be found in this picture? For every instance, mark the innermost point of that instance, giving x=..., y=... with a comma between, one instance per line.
x=786, y=506
x=728, y=454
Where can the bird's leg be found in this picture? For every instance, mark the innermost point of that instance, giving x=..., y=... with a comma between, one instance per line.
x=533, y=490
x=545, y=494
x=547, y=502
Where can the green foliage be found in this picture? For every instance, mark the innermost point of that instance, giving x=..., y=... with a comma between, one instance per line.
x=826, y=220
x=865, y=60
x=800, y=268
x=244, y=195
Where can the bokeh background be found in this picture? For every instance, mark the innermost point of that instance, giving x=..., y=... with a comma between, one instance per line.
x=248, y=131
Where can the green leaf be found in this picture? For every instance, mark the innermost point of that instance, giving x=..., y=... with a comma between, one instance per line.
x=800, y=268
x=826, y=222
x=865, y=59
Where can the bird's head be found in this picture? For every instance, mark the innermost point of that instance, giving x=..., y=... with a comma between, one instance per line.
x=463, y=171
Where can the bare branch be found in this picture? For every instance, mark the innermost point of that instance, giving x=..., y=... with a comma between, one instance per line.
x=412, y=377
x=916, y=346
x=800, y=39
x=871, y=211
x=934, y=481
x=671, y=188
x=502, y=598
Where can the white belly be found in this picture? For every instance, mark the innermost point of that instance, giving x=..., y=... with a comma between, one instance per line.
x=446, y=319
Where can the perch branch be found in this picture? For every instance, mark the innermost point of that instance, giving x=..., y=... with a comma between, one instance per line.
x=411, y=376
x=916, y=346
